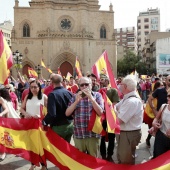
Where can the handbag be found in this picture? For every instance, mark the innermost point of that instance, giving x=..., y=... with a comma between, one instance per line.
x=152, y=131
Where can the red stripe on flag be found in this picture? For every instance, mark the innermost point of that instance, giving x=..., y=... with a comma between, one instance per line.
x=19, y=124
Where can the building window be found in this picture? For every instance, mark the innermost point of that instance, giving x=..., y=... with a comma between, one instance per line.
x=146, y=20
x=139, y=27
x=26, y=30
x=146, y=26
x=103, y=32
x=146, y=32
x=139, y=21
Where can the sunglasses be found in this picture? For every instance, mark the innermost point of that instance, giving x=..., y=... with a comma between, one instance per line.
x=168, y=95
x=84, y=84
x=33, y=87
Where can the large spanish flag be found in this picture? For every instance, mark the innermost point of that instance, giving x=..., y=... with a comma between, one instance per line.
x=22, y=137
x=25, y=138
x=77, y=67
x=42, y=64
x=32, y=73
x=6, y=60
x=102, y=65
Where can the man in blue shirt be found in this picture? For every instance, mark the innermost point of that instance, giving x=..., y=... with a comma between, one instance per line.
x=57, y=104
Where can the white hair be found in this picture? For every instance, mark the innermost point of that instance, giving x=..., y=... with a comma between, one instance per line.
x=130, y=82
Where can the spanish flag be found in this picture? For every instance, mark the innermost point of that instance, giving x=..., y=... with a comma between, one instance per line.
x=24, y=137
x=32, y=73
x=77, y=67
x=95, y=123
x=68, y=76
x=102, y=65
x=6, y=61
x=42, y=64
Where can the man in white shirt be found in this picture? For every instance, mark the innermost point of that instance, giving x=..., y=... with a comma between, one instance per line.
x=130, y=114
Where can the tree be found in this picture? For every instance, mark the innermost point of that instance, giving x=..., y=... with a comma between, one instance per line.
x=129, y=63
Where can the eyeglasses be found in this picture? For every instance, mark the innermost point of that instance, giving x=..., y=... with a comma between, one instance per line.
x=33, y=87
x=84, y=84
x=168, y=95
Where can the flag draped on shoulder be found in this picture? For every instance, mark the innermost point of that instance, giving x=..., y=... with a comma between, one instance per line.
x=6, y=60
x=77, y=67
x=102, y=66
x=32, y=73
x=43, y=65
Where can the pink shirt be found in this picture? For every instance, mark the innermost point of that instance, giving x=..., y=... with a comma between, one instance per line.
x=13, y=99
x=48, y=89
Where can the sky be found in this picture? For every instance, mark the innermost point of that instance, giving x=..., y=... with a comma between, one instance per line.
x=125, y=11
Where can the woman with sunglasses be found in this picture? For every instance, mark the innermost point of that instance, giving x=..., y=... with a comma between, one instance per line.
x=162, y=138
x=31, y=106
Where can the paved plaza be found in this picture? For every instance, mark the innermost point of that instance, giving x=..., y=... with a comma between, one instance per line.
x=16, y=163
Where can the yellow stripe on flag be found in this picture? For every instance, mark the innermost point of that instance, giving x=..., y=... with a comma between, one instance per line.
x=97, y=128
x=164, y=167
x=18, y=139
x=63, y=158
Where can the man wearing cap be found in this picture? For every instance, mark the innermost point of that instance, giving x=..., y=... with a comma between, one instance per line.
x=114, y=98
x=81, y=107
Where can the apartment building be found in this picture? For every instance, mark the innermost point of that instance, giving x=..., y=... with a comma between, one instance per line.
x=147, y=21
x=126, y=38
x=150, y=51
x=6, y=28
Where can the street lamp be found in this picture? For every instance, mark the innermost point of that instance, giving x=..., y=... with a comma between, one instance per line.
x=17, y=60
x=38, y=69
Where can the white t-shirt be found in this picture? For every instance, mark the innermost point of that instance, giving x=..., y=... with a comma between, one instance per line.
x=130, y=111
x=33, y=106
x=165, y=119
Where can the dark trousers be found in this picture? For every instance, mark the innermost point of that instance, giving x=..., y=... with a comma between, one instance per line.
x=111, y=144
x=161, y=145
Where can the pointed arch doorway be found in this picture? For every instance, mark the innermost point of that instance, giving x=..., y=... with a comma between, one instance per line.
x=66, y=67
x=25, y=70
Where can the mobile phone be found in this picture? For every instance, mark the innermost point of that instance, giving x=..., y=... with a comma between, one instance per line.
x=83, y=94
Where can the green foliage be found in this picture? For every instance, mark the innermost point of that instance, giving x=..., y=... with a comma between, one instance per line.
x=129, y=63
x=17, y=66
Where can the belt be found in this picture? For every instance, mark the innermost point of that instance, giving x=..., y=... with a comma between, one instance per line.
x=130, y=130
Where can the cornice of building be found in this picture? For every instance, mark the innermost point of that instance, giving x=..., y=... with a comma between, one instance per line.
x=60, y=34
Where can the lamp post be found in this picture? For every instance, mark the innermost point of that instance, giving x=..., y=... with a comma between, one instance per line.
x=38, y=70
x=17, y=57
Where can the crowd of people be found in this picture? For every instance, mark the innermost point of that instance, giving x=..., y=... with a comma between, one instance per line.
x=70, y=104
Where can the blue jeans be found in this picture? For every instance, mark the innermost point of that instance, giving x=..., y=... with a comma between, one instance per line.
x=144, y=95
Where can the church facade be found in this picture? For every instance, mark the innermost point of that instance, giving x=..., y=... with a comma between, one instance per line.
x=58, y=31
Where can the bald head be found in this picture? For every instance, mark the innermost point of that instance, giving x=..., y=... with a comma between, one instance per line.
x=56, y=80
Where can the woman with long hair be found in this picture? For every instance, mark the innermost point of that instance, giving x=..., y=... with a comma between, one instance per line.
x=30, y=107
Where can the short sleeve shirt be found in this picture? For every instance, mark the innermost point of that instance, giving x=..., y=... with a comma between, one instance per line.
x=82, y=115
